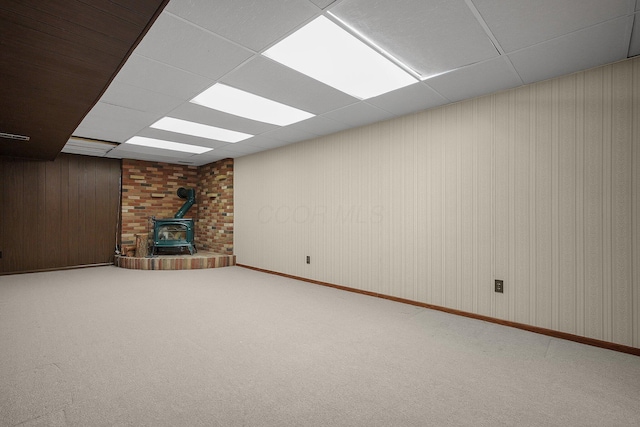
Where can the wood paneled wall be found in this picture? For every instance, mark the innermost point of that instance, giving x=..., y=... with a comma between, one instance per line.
x=538, y=186
x=58, y=214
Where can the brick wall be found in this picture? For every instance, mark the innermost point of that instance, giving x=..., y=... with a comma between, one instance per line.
x=149, y=189
x=214, y=229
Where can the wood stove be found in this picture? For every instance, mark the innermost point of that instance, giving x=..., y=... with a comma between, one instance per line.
x=176, y=232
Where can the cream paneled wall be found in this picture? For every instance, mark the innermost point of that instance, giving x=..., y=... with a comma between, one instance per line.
x=538, y=186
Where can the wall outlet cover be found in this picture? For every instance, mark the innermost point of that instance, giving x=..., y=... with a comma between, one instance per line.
x=499, y=286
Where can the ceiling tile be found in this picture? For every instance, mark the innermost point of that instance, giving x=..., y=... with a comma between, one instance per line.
x=430, y=36
x=269, y=79
x=476, y=80
x=408, y=99
x=267, y=142
x=254, y=24
x=323, y=3
x=158, y=77
x=113, y=123
x=521, y=23
x=577, y=51
x=178, y=137
x=289, y=134
x=319, y=126
x=358, y=114
x=239, y=149
x=206, y=158
x=172, y=40
x=137, y=98
x=634, y=45
x=138, y=149
x=199, y=114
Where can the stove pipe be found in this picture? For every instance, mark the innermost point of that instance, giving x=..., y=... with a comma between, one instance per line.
x=190, y=195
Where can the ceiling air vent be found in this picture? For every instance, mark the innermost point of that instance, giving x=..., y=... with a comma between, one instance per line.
x=15, y=137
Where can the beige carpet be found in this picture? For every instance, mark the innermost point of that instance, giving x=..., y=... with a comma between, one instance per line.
x=234, y=347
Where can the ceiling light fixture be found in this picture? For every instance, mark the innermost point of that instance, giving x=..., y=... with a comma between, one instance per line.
x=328, y=53
x=167, y=145
x=244, y=104
x=197, y=129
x=375, y=46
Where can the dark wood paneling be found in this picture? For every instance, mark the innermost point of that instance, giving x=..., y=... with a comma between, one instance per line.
x=2, y=217
x=58, y=214
x=74, y=215
x=57, y=59
x=12, y=215
x=29, y=214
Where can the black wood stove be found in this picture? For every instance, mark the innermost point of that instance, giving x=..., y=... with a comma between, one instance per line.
x=176, y=232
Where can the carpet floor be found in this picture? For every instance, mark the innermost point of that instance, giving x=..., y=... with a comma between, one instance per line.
x=230, y=346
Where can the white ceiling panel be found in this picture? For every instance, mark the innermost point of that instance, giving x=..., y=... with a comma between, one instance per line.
x=171, y=40
x=269, y=79
x=158, y=77
x=458, y=44
x=113, y=123
x=267, y=143
x=634, y=46
x=199, y=114
x=476, y=80
x=104, y=114
x=179, y=137
x=408, y=99
x=238, y=149
x=322, y=3
x=138, y=149
x=358, y=114
x=288, y=134
x=254, y=24
x=319, y=126
x=521, y=23
x=137, y=98
x=430, y=36
x=165, y=157
x=579, y=50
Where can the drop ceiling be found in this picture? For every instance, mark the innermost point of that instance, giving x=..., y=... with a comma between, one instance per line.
x=459, y=49
x=57, y=57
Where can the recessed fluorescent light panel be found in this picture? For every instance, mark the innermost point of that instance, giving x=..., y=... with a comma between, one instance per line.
x=197, y=129
x=326, y=52
x=167, y=145
x=244, y=104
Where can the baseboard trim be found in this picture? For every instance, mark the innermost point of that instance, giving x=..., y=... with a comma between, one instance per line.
x=538, y=330
x=45, y=270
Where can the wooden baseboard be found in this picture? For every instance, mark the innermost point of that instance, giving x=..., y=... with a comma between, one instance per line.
x=538, y=330
x=44, y=270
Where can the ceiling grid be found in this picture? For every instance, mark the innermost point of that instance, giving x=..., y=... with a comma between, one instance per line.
x=459, y=49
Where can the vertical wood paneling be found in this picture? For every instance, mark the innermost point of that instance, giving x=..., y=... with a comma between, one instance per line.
x=621, y=208
x=538, y=186
x=593, y=178
x=522, y=251
x=30, y=242
x=567, y=260
x=13, y=254
x=580, y=203
x=635, y=209
x=45, y=208
x=65, y=244
x=543, y=204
